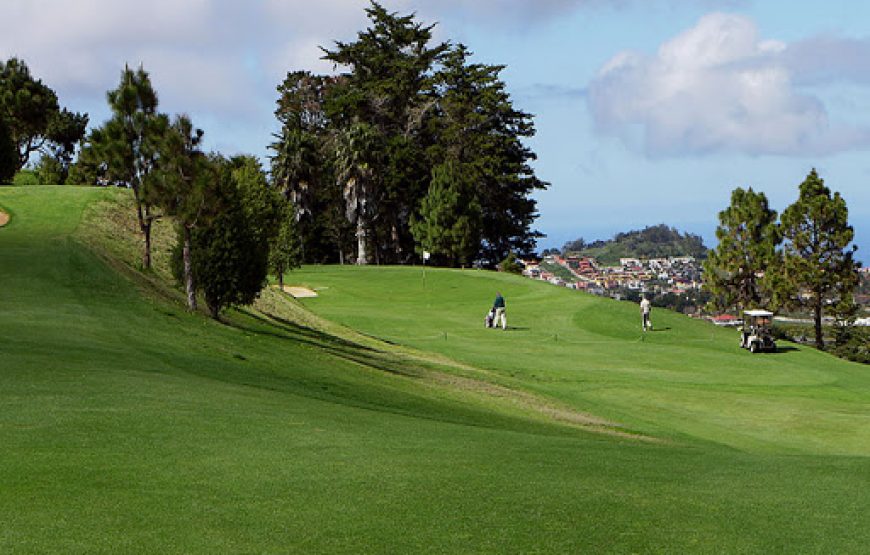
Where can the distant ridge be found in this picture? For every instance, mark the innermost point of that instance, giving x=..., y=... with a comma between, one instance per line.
x=658, y=241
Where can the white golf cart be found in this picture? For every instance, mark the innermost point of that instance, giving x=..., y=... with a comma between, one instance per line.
x=756, y=335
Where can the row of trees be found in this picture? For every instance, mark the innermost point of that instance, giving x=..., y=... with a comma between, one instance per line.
x=411, y=148
x=232, y=226
x=802, y=261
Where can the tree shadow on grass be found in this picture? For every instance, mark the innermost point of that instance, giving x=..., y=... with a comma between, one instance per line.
x=336, y=346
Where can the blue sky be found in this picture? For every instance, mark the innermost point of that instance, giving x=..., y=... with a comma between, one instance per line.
x=647, y=111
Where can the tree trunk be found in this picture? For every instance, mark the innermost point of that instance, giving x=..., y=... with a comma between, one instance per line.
x=361, y=256
x=144, y=217
x=215, y=311
x=817, y=321
x=146, y=255
x=188, y=271
x=280, y=278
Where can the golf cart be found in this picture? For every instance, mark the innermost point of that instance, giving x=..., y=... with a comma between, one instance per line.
x=756, y=334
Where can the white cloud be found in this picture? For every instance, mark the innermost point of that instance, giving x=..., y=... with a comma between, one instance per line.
x=719, y=87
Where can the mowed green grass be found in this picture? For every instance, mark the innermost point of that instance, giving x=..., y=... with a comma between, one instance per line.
x=687, y=380
x=127, y=425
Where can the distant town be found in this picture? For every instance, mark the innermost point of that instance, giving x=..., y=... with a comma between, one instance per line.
x=675, y=278
x=675, y=281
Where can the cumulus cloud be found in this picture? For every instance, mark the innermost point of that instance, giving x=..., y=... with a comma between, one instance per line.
x=719, y=86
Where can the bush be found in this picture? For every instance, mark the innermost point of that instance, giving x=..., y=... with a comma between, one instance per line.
x=510, y=265
x=25, y=178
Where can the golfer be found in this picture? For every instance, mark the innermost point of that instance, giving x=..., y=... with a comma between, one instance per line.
x=644, y=311
x=500, y=316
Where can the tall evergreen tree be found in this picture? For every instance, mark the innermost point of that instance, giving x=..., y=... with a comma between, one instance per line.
x=365, y=142
x=478, y=126
x=388, y=68
x=285, y=249
x=128, y=143
x=182, y=185
x=449, y=222
x=818, y=269
x=748, y=238
x=229, y=256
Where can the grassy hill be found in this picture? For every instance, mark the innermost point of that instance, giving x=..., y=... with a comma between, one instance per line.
x=382, y=417
x=658, y=241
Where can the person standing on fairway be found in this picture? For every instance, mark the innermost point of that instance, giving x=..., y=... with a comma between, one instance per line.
x=644, y=311
x=500, y=316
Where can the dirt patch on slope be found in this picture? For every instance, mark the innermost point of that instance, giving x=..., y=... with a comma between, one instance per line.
x=4, y=218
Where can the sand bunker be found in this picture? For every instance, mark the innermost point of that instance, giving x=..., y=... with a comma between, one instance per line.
x=4, y=218
x=299, y=292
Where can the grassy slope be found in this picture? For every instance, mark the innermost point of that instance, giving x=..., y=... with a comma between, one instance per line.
x=201, y=437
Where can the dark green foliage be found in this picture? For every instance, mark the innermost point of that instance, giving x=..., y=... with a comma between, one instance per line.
x=748, y=238
x=8, y=154
x=49, y=170
x=818, y=267
x=658, y=241
x=365, y=143
x=577, y=245
x=477, y=125
x=449, y=222
x=510, y=264
x=852, y=343
x=376, y=113
x=229, y=257
x=25, y=178
x=182, y=184
x=285, y=249
x=34, y=118
x=126, y=146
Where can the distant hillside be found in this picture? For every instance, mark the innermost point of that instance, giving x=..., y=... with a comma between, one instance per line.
x=656, y=241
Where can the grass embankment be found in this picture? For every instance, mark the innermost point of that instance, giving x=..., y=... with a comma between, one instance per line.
x=129, y=425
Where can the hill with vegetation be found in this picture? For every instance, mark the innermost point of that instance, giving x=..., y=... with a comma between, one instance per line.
x=381, y=416
x=659, y=241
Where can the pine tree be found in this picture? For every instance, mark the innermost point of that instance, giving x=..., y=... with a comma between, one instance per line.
x=128, y=143
x=388, y=69
x=183, y=186
x=285, y=248
x=229, y=256
x=818, y=269
x=477, y=125
x=450, y=218
x=748, y=238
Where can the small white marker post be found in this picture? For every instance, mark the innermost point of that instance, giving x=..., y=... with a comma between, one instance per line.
x=426, y=256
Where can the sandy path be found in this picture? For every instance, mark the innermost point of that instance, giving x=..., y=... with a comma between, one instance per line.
x=4, y=218
x=299, y=292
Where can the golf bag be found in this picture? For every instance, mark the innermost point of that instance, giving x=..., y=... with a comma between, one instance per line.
x=489, y=321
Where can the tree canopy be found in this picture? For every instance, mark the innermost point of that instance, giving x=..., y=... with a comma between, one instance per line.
x=818, y=271
x=127, y=145
x=33, y=117
x=362, y=146
x=748, y=238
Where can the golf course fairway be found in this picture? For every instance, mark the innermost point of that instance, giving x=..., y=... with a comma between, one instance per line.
x=381, y=417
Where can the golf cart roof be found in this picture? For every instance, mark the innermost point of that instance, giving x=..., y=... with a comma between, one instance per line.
x=757, y=313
